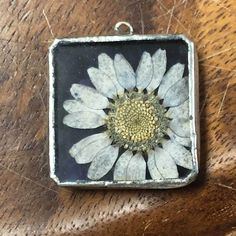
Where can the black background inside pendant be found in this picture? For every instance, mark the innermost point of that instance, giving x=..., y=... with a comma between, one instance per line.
x=71, y=62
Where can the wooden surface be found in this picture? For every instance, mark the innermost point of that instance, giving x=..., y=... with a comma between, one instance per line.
x=31, y=204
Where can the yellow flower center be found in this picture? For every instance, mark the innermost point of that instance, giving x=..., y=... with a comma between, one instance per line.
x=137, y=121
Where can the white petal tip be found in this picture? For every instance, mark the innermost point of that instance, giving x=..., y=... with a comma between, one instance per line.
x=90, y=69
x=118, y=57
x=146, y=54
x=73, y=90
x=102, y=55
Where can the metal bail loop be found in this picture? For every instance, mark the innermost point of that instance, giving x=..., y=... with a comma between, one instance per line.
x=118, y=28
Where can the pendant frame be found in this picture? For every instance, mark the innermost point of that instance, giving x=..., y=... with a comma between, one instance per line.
x=193, y=113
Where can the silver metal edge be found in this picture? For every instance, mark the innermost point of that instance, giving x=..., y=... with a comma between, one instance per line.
x=193, y=109
x=52, y=158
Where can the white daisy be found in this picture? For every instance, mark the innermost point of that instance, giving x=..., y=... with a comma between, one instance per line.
x=145, y=114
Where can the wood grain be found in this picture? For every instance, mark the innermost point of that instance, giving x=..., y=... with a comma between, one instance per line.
x=31, y=204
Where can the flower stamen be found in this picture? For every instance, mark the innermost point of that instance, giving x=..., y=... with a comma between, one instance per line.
x=137, y=121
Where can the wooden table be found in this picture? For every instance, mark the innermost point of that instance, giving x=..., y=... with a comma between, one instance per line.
x=31, y=203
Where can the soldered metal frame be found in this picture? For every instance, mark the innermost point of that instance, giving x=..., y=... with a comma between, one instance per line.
x=193, y=114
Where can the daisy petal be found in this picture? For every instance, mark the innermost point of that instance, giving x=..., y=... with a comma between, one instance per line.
x=102, y=82
x=165, y=164
x=105, y=63
x=159, y=69
x=72, y=106
x=120, y=171
x=90, y=97
x=179, y=111
x=180, y=126
x=124, y=72
x=177, y=94
x=180, y=119
x=152, y=167
x=84, y=120
x=85, y=150
x=103, y=162
x=144, y=71
x=136, y=168
x=180, y=154
x=174, y=74
x=181, y=140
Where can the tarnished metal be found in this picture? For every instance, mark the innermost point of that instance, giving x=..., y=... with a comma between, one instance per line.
x=127, y=24
x=193, y=112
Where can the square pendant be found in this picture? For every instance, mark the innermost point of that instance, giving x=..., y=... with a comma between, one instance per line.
x=123, y=111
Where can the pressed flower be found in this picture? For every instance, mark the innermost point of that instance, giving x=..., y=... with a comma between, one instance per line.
x=145, y=114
